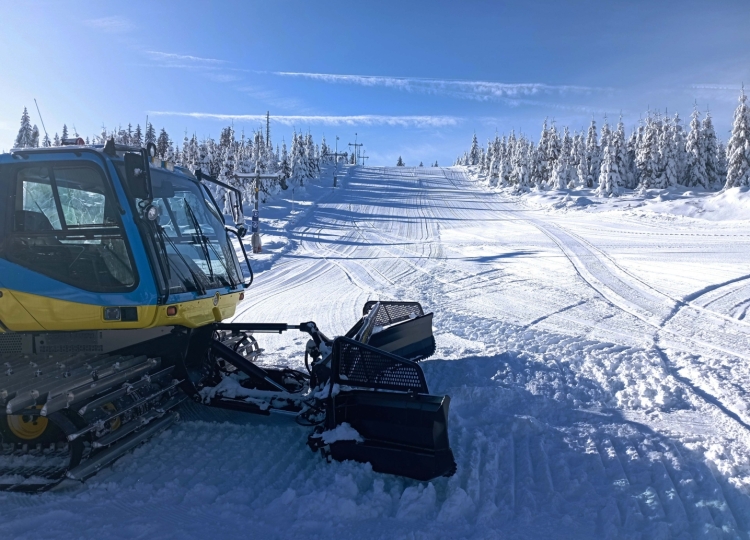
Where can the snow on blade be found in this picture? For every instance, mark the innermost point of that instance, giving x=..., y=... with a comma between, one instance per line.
x=342, y=432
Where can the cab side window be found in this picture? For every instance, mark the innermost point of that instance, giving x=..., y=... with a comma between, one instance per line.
x=65, y=225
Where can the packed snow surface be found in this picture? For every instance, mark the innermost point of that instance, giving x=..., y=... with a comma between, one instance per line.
x=598, y=364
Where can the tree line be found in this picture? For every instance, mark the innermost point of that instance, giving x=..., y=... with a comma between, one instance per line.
x=220, y=158
x=658, y=154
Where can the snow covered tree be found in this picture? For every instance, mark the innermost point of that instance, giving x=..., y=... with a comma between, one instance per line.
x=647, y=155
x=474, y=154
x=150, y=136
x=738, y=146
x=137, y=138
x=695, y=174
x=679, y=145
x=593, y=155
x=56, y=140
x=631, y=177
x=581, y=160
x=669, y=166
x=609, y=175
x=711, y=153
x=400, y=162
x=562, y=174
x=25, y=136
x=46, y=142
x=621, y=155
x=721, y=162
x=163, y=143
x=606, y=134
x=65, y=132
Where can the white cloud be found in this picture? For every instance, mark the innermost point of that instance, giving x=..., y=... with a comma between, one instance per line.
x=475, y=90
x=183, y=60
x=364, y=119
x=721, y=87
x=114, y=24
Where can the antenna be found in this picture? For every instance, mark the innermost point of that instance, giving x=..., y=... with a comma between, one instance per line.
x=268, y=128
x=40, y=118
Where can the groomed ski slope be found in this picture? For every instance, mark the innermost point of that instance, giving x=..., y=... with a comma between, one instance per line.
x=598, y=364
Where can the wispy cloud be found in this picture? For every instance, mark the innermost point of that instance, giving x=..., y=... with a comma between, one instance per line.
x=274, y=99
x=114, y=24
x=475, y=90
x=363, y=119
x=183, y=59
x=720, y=87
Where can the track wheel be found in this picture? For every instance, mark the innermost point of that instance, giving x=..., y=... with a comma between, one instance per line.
x=114, y=423
x=28, y=427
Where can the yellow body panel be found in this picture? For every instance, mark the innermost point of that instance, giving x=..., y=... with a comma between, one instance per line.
x=24, y=312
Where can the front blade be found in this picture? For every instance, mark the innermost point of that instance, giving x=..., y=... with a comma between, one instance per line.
x=401, y=434
x=401, y=429
x=410, y=339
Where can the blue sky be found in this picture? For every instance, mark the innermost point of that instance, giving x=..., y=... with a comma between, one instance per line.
x=410, y=78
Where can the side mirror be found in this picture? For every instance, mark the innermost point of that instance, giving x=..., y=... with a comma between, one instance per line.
x=138, y=175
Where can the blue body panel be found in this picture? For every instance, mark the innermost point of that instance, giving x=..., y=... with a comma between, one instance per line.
x=18, y=278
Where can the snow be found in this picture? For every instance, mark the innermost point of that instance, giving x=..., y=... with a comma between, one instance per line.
x=342, y=432
x=596, y=356
x=732, y=204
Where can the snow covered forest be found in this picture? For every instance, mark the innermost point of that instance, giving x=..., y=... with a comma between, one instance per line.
x=232, y=153
x=658, y=154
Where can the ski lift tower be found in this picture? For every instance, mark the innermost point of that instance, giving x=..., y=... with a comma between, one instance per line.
x=356, y=149
x=256, y=177
x=336, y=157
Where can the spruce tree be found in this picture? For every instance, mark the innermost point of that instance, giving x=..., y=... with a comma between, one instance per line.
x=35, y=137
x=711, y=153
x=631, y=176
x=668, y=155
x=25, y=132
x=163, y=143
x=647, y=155
x=695, y=174
x=64, y=132
x=56, y=140
x=150, y=136
x=581, y=170
x=400, y=162
x=679, y=145
x=561, y=174
x=474, y=154
x=721, y=162
x=621, y=155
x=738, y=146
x=609, y=175
x=592, y=154
x=137, y=139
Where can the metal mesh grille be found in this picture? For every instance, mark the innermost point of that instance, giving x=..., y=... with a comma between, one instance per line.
x=394, y=312
x=356, y=364
x=11, y=344
x=69, y=342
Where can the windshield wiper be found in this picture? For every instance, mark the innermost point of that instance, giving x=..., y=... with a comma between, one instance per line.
x=232, y=282
x=201, y=239
x=162, y=236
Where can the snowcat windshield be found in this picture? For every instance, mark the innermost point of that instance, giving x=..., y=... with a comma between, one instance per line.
x=192, y=235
